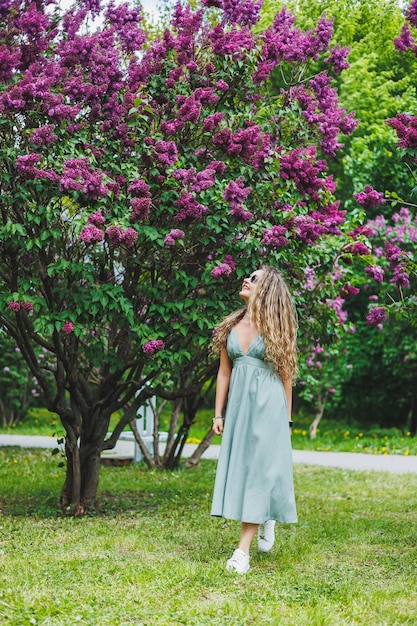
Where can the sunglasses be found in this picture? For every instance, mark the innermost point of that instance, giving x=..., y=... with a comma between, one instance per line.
x=252, y=278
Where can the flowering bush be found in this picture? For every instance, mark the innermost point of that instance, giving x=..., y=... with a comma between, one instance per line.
x=142, y=180
x=393, y=240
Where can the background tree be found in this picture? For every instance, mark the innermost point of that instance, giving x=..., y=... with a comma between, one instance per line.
x=140, y=180
x=377, y=85
x=18, y=389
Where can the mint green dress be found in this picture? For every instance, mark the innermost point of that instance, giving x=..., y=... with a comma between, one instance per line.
x=254, y=478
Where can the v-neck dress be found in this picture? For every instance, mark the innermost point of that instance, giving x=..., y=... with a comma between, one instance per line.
x=254, y=478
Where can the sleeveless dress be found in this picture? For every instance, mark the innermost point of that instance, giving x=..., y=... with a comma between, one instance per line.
x=254, y=478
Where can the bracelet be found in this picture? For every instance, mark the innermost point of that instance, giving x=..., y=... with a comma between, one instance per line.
x=290, y=423
x=218, y=417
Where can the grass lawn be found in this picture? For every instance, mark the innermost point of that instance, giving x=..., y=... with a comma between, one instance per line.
x=151, y=555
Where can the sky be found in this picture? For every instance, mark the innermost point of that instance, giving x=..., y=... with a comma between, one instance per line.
x=151, y=7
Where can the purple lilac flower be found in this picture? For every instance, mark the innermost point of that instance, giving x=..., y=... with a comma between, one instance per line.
x=203, y=180
x=337, y=304
x=338, y=58
x=307, y=229
x=32, y=22
x=139, y=189
x=43, y=135
x=400, y=277
x=97, y=219
x=77, y=175
x=222, y=85
x=250, y=143
x=234, y=42
x=166, y=153
x=8, y=61
x=129, y=237
x=185, y=21
x=236, y=192
x=412, y=13
x=228, y=259
x=322, y=111
x=153, y=346
x=376, y=272
x=369, y=198
x=189, y=111
x=392, y=253
x=357, y=248
x=90, y=235
x=218, y=166
x=240, y=213
x=189, y=208
x=170, y=127
x=114, y=234
x=27, y=161
x=242, y=12
x=406, y=128
x=376, y=316
x=330, y=216
x=173, y=236
x=348, y=290
x=310, y=282
x=174, y=77
x=125, y=21
x=14, y=306
x=365, y=230
x=405, y=41
x=403, y=216
x=221, y=270
x=212, y=121
x=67, y=328
x=223, y=138
x=300, y=166
x=141, y=207
x=28, y=307
x=275, y=237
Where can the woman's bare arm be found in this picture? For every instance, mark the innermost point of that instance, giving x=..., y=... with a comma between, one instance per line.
x=288, y=394
x=222, y=389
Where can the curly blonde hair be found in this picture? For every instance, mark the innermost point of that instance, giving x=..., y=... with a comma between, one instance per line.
x=271, y=309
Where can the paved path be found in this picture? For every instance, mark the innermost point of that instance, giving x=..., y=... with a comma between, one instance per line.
x=396, y=464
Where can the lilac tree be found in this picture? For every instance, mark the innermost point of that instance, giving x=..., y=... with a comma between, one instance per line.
x=140, y=180
x=18, y=389
x=394, y=238
x=384, y=237
x=324, y=372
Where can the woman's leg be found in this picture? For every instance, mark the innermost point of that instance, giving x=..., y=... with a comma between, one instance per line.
x=247, y=533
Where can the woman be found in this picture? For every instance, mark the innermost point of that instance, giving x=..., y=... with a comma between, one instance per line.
x=258, y=365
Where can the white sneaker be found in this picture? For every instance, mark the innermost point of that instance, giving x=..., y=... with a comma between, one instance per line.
x=266, y=535
x=238, y=562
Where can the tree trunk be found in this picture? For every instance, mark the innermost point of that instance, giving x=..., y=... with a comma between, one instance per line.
x=83, y=463
x=194, y=459
x=321, y=403
x=175, y=416
x=147, y=457
x=70, y=493
x=173, y=460
x=90, y=468
x=413, y=416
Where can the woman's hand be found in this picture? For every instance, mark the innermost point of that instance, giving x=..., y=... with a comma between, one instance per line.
x=218, y=425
